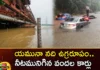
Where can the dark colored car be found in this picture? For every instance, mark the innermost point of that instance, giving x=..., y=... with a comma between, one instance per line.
x=92, y=17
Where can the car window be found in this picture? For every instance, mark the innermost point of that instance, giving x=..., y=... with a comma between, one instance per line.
x=75, y=20
x=82, y=19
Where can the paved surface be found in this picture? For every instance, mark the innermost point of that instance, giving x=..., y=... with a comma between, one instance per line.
x=86, y=37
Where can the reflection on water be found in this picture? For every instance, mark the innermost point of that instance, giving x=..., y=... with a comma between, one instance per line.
x=47, y=38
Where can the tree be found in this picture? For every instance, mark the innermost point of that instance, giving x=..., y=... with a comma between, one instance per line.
x=75, y=6
x=1, y=2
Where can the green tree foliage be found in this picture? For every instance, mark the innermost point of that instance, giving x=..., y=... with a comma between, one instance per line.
x=95, y=5
x=75, y=6
x=1, y=2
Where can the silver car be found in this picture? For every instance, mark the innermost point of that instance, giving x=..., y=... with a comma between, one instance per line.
x=77, y=22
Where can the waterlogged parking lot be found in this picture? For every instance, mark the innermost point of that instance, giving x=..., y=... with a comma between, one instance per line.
x=86, y=37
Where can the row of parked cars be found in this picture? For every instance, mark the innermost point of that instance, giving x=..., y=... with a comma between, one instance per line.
x=70, y=22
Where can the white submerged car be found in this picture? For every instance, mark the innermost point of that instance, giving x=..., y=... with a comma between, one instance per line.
x=77, y=22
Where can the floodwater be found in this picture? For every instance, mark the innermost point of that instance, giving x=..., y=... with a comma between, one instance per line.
x=16, y=37
x=52, y=35
x=27, y=37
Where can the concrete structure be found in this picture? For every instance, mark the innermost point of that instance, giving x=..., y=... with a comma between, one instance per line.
x=16, y=11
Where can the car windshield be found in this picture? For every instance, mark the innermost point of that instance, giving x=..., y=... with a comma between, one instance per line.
x=75, y=20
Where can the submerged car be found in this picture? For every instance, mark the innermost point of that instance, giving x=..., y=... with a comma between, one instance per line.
x=90, y=17
x=77, y=22
x=64, y=16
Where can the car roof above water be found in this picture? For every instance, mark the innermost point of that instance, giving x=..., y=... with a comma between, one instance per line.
x=75, y=20
x=77, y=17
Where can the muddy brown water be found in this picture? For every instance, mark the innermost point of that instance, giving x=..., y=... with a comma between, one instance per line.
x=53, y=37
x=16, y=37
